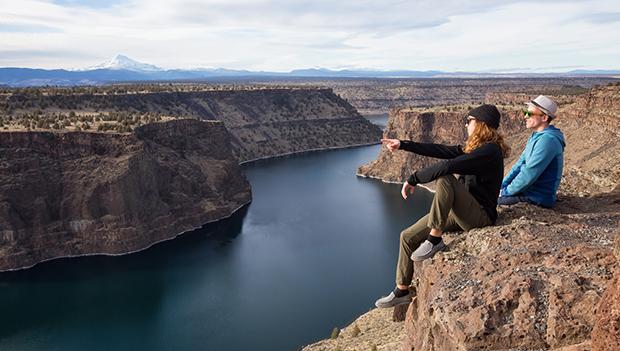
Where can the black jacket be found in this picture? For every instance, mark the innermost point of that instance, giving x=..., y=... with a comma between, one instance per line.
x=481, y=170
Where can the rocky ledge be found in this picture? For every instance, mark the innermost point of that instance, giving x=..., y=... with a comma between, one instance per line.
x=532, y=282
x=536, y=281
x=79, y=193
x=541, y=279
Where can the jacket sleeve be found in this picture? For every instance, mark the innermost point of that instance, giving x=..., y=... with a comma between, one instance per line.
x=543, y=152
x=471, y=163
x=431, y=150
x=514, y=171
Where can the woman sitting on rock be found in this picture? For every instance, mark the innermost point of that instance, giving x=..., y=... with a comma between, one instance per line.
x=463, y=204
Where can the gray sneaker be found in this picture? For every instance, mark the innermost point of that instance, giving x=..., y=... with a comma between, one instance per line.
x=391, y=300
x=427, y=250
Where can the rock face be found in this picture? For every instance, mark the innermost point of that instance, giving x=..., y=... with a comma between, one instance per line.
x=78, y=193
x=606, y=333
x=590, y=122
x=530, y=283
x=262, y=122
x=378, y=96
x=533, y=281
x=444, y=127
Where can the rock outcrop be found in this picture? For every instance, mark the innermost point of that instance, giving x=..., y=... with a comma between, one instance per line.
x=372, y=331
x=606, y=333
x=541, y=279
x=530, y=283
x=378, y=96
x=426, y=126
x=262, y=122
x=79, y=193
x=590, y=122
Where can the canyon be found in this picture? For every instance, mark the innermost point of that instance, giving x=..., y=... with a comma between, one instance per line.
x=81, y=193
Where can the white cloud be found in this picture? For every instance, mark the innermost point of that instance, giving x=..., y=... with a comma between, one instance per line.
x=283, y=35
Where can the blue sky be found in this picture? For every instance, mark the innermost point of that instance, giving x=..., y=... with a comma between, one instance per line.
x=281, y=35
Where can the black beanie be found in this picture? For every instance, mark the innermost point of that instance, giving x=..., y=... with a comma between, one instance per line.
x=488, y=114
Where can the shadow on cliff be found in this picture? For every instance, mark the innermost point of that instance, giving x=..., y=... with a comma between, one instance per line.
x=68, y=292
x=599, y=203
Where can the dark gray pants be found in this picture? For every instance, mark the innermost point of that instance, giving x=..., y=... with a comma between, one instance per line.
x=511, y=200
x=453, y=209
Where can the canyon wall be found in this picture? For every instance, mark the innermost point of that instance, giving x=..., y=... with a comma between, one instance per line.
x=80, y=193
x=262, y=122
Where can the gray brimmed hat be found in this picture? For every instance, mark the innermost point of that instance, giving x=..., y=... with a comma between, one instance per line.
x=546, y=105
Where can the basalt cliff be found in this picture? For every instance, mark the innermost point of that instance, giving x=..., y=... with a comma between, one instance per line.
x=81, y=193
x=263, y=122
x=540, y=279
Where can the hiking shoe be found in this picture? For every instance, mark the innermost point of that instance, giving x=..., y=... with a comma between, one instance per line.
x=391, y=300
x=427, y=250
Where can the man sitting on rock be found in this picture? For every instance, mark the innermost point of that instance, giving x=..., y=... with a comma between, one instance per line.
x=536, y=175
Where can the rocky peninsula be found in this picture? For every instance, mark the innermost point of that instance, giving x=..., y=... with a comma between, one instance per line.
x=541, y=279
x=82, y=193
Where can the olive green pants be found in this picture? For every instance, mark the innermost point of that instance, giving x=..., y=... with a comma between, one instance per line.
x=453, y=209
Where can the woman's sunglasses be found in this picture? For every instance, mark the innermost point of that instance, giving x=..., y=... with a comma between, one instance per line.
x=469, y=119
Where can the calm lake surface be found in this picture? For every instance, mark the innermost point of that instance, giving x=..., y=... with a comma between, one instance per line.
x=313, y=251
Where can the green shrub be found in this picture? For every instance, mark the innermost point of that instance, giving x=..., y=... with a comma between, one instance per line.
x=335, y=333
x=355, y=331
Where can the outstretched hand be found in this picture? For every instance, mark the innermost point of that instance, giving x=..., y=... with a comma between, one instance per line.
x=407, y=189
x=391, y=144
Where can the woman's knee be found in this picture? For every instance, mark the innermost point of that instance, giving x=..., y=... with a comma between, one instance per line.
x=413, y=238
x=446, y=180
x=404, y=236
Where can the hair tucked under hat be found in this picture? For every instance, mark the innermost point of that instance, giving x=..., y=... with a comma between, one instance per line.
x=486, y=132
x=488, y=114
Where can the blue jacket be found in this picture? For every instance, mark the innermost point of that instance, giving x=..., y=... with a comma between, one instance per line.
x=538, y=172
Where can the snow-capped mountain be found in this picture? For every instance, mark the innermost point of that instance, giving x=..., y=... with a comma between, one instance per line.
x=123, y=69
x=125, y=63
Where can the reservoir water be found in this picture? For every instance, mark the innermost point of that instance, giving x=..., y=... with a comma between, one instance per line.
x=313, y=251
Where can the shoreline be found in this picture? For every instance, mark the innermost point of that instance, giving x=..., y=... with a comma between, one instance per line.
x=297, y=153
x=203, y=224
x=129, y=252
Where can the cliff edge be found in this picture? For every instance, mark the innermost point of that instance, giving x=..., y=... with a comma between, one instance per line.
x=541, y=279
x=80, y=193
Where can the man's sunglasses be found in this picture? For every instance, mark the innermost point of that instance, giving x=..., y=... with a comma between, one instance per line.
x=528, y=113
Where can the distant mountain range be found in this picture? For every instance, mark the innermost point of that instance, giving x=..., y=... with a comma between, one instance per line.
x=124, y=69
